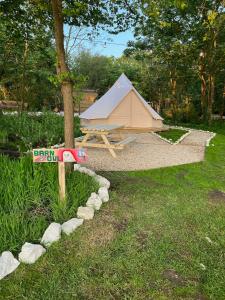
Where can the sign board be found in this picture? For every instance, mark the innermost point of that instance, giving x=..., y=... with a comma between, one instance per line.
x=45, y=155
x=72, y=155
x=59, y=155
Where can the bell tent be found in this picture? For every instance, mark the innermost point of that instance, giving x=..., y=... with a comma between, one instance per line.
x=122, y=105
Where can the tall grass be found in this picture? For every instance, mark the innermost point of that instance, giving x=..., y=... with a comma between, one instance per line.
x=29, y=199
x=25, y=132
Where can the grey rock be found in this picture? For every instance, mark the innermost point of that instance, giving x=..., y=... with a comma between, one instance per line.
x=71, y=225
x=103, y=182
x=30, y=253
x=94, y=201
x=8, y=264
x=52, y=234
x=86, y=213
x=103, y=194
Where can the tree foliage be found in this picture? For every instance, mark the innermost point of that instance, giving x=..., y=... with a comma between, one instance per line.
x=27, y=56
x=188, y=39
x=176, y=61
x=102, y=71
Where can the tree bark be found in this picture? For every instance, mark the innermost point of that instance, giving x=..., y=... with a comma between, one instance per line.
x=5, y=92
x=211, y=97
x=203, y=86
x=62, y=69
x=223, y=104
x=23, y=82
x=203, y=97
x=173, y=86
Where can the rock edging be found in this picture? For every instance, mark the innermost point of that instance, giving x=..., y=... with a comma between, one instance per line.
x=178, y=141
x=30, y=253
x=207, y=142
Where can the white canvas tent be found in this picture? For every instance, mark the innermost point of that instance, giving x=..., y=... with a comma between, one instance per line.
x=122, y=105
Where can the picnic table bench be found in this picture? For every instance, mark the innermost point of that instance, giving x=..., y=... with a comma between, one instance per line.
x=103, y=132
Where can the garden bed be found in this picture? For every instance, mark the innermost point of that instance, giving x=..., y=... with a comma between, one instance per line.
x=29, y=200
x=172, y=135
x=20, y=133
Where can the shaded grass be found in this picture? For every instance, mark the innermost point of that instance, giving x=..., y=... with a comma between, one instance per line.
x=29, y=200
x=216, y=126
x=172, y=135
x=24, y=132
x=155, y=225
x=29, y=192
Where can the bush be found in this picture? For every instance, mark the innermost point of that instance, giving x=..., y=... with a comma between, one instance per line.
x=183, y=114
x=25, y=132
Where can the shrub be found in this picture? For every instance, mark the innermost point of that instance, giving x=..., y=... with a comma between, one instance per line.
x=25, y=132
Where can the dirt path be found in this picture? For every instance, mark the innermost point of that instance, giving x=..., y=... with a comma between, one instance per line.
x=150, y=152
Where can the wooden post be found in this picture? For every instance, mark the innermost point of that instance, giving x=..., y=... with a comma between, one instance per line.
x=62, y=180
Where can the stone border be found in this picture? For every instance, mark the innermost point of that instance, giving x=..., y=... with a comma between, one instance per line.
x=179, y=140
x=30, y=253
x=207, y=142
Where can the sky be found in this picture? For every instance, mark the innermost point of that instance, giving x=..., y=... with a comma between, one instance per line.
x=104, y=44
x=111, y=45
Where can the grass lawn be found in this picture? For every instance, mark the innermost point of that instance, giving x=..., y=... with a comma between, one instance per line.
x=216, y=126
x=172, y=135
x=148, y=242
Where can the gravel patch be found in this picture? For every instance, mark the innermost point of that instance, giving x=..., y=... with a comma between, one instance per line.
x=196, y=138
x=149, y=152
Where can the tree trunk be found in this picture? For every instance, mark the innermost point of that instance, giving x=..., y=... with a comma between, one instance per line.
x=223, y=104
x=174, y=104
x=203, y=87
x=5, y=92
x=203, y=98
x=23, y=82
x=62, y=69
x=210, y=97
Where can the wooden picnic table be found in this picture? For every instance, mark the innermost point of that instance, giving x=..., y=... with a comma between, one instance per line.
x=103, y=132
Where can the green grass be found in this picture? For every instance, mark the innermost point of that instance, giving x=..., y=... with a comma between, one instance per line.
x=29, y=192
x=29, y=200
x=156, y=221
x=172, y=135
x=216, y=126
x=24, y=132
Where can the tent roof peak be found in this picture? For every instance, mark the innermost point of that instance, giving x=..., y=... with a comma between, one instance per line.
x=103, y=107
x=123, y=80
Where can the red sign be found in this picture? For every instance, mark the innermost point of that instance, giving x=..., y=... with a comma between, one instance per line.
x=59, y=155
x=72, y=155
